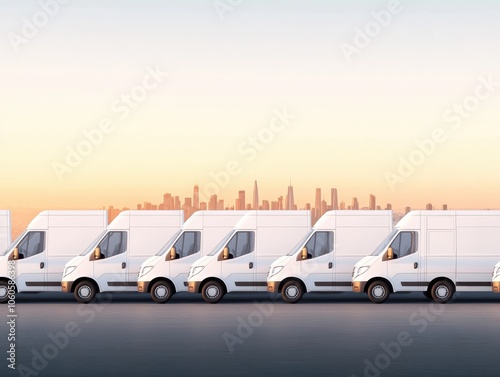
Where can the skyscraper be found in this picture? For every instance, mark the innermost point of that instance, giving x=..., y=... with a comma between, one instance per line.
x=317, y=205
x=355, y=203
x=428, y=206
x=212, y=204
x=335, y=200
x=373, y=204
x=255, y=204
x=290, y=201
x=241, y=200
x=196, y=197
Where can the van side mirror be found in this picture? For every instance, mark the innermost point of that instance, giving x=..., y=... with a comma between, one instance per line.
x=97, y=253
x=173, y=253
x=225, y=253
x=390, y=253
x=303, y=253
x=15, y=254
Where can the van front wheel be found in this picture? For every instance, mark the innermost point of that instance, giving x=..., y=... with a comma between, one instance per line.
x=292, y=292
x=85, y=292
x=442, y=291
x=161, y=292
x=212, y=292
x=378, y=292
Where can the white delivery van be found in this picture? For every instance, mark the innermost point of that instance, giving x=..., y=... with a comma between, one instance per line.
x=166, y=273
x=51, y=239
x=111, y=263
x=5, y=231
x=323, y=260
x=241, y=260
x=435, y=252
x=495, y=285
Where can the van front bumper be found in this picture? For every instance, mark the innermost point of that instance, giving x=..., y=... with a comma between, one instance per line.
x=273, y=286
x=358, y=286
x=66, y=286
x=194, y=286
x=495, y=286
x=142, y=286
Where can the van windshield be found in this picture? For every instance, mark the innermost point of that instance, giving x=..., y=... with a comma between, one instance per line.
x=5, y=252
x=92, y=246
x=169, y=244
x=222, y=243
x=301, y=243
x=383, y=246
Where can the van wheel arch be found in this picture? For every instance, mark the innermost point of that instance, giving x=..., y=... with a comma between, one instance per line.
x=90, y=280
x=369, y=282
x=156, y=280
x=212, y=279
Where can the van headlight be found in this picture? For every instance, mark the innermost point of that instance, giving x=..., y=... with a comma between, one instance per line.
x=69, y=270
x=496, y=271
x=195, y=270
x=145, y=270
x=274, y=270
x=362, y=270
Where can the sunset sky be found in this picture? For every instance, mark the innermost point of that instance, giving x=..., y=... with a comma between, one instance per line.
x=355, y=117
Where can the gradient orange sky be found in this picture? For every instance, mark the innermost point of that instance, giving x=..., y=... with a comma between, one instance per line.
x=354, y=120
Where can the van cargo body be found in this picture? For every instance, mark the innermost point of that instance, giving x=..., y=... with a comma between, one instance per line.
x=435, y=252
x=323, y=260
x=112, y=262
x=239, y=263
x=51, y=239
x=166, y=273
x=5, y=230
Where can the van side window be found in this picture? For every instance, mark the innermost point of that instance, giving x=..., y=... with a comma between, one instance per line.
x=404, y=244
x=188, y=244
x=320, y=243
x=32, y=244
x=242, y=243
x=114, y=243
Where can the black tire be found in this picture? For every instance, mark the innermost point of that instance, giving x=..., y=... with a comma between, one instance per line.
x=212, y=292
x=162, y=291
x=85, y=292
x=442, y=291
x=427, y=295
x=4, y=292
x=292, y=291
x=378, y=292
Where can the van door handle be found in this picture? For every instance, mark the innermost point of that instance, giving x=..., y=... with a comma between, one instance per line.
x=330, y=265
x=415, y=265
x=124, y=265
x=42, y=265
x=250, y=265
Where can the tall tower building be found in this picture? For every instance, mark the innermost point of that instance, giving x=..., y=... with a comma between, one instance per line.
x=196, y=197
x=317, y=205
x=335, y=200
x=290, y=201
x=241, y=200
x=355, y=203
x=428, y=206
x=255, y=204
x=373, y=204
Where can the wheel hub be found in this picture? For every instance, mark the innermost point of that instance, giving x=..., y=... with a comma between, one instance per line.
x=378, y=291
x=442, y=291
x=161, y=291
x=3, y=291
x=84, y=292
x=212, y=291
x=292, y=291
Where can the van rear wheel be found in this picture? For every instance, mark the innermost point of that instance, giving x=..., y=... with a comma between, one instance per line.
x=162, y=291
x=212, y=292
x=378, y=292
x=292, y=292
x=442, y=291
x=4, y=292
x=85, y=292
